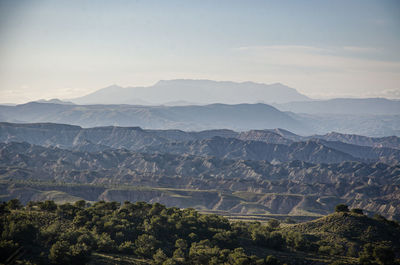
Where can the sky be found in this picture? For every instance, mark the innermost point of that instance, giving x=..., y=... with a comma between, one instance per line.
x=324, y=49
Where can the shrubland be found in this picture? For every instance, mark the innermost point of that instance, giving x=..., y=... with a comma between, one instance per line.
x=79, y=233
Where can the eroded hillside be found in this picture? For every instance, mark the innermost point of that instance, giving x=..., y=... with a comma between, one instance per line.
x=280, y=188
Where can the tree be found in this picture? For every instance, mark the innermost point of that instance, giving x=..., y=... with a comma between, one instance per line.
x=181, y=243
x=289, y=220
x=105, y=243
x=79, y=253
x=159, y=257
x=67, y=210
x=352, y=250
x=179, y=255
x=297, y=241
x=273, y=223
x=22, y=231
x=62, y=252
x=59, y=253
x=341, y=208
x=87, y=239
x=239, y=257
x=384, y=255
x=127, y=247
x=49, y=206
x=80, y=204
x=203, y=252
x=357, y=211
x=260, y=235
x=225, y=239
x=4, y=208
x=146, y=245
x=275, y=240
x=14, y=204
x=380, y=254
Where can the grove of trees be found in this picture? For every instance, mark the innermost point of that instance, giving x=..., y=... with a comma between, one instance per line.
x=47, y=233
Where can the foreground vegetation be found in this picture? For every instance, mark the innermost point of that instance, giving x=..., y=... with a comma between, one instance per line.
x=141, y=233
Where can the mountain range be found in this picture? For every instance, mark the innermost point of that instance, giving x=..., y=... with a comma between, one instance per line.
x=272, y=145
x=30, y=172
x=185, y=104
x=241, y=117
x=283, y=158
x=215, y=116
x=187, y=92
x=258, y=171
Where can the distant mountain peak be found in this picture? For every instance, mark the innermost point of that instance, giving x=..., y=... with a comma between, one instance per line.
x=196, y=91
x=54, y=101
x=278, y=84
x=114, y=86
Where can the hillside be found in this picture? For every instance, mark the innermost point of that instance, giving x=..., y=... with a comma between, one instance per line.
x=232, y=148
x=289, y=188
x=270, y=145
x=391, y=141
x=345, y=232
x=140, y=233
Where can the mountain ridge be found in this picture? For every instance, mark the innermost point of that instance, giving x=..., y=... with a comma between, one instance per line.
x=249, y=145
x=294, y=186
x=199, y=91
x=213, y=116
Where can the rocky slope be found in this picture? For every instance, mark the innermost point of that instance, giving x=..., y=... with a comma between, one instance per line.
x=232, y=148
x=271, y=145
x=290, y=188
x=390, y=141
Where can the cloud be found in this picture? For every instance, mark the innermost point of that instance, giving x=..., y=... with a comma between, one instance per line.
x=317, y=59
x=323, y=72
x=360, y=49
x=387, y=93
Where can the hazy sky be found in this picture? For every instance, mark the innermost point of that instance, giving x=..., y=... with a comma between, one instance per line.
x=323, y=49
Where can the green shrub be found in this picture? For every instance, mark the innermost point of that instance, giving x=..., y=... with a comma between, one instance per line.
x=341, y=208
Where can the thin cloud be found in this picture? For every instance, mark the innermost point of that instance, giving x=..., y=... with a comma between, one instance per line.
x=360, y=49
x=387, y=93
x=323, y=72
x=317, y=58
